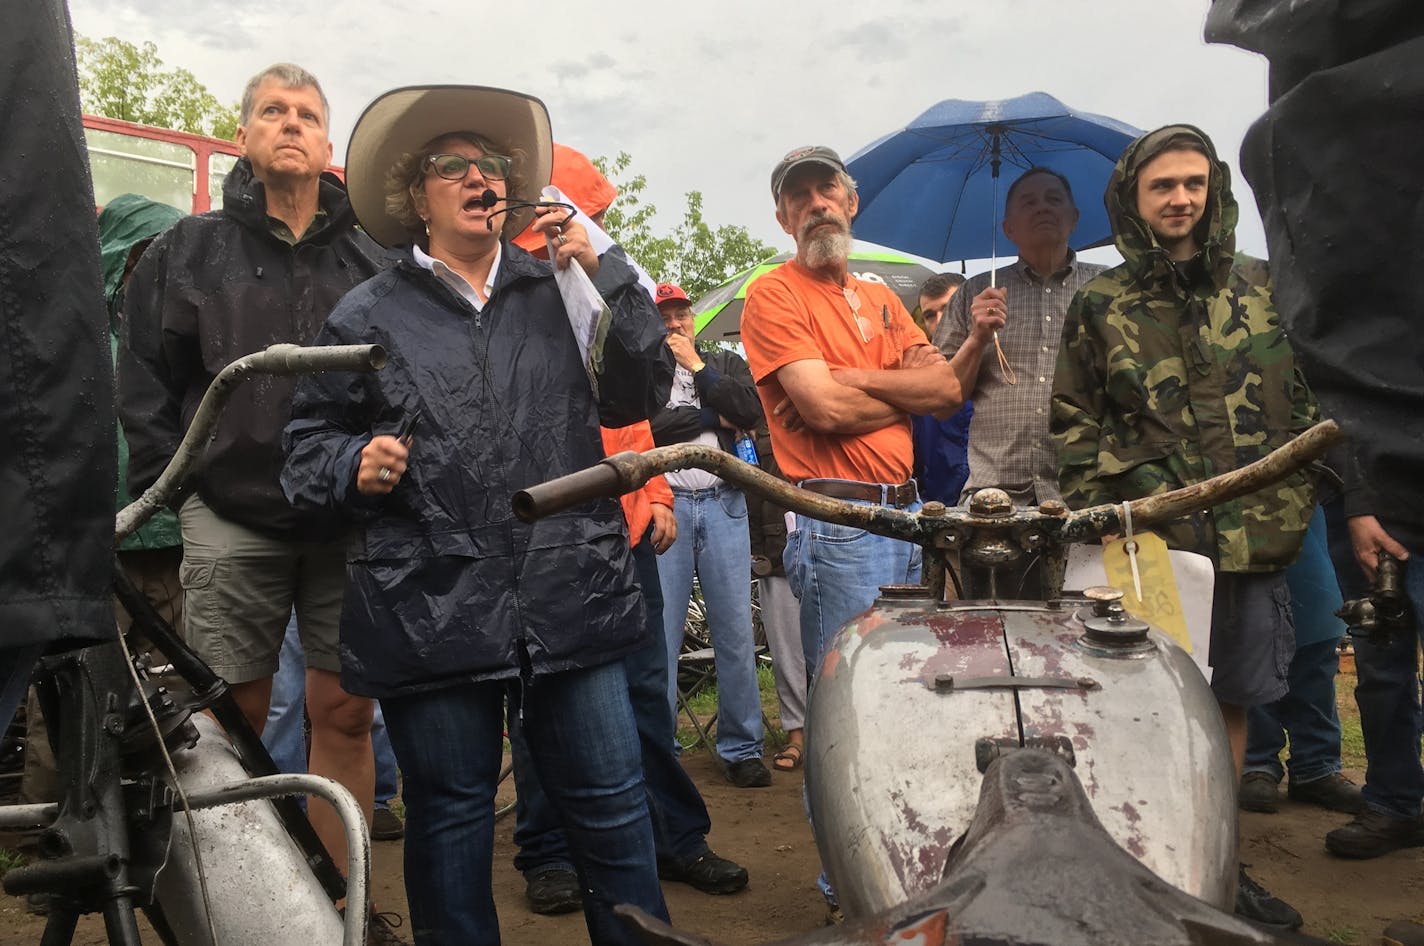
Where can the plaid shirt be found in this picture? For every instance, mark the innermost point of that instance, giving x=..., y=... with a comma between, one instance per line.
x=1009, y=443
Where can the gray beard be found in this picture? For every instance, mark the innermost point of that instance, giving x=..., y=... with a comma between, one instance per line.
x=827, y=249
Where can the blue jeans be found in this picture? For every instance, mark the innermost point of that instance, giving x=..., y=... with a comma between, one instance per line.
x=1388, y=697
x=836, y=572
x=584, y=746
x=1307, y=712
x=284, y=734
x=713, y=543
x=16, y=664
x=680, y=819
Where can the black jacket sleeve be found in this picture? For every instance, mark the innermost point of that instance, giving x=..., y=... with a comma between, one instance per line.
x=637, y=366
x=150, y=385
x=726, y=387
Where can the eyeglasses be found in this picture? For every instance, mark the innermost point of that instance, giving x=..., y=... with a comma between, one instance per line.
x=853, y=300
x=454, y=167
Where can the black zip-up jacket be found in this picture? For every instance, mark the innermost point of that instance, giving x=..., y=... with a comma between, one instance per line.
x=726, y=389
x=445, y=586
x=215, y=287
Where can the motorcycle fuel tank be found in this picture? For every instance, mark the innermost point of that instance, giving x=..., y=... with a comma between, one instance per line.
x=915, y=698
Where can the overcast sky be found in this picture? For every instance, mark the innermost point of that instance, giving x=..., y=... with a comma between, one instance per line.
x=708, y=96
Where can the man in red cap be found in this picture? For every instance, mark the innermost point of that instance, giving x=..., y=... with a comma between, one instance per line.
x=713, y=402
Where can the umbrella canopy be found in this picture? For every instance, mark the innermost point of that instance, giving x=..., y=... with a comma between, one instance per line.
x=719, y=312
x=935, y=188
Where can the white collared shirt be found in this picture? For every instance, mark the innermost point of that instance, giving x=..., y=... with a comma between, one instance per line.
x=457, y=282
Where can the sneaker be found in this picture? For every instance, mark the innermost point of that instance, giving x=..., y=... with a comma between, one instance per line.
x=386, y=825
x=381, y=928
x=748, y=773
x=706, y=872
x=1258, y=792
x=1373, y=832
x=1256, y=903
x=1334, y=792
x=555, y=891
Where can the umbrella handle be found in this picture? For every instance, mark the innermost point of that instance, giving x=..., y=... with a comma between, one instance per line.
x=993, y=226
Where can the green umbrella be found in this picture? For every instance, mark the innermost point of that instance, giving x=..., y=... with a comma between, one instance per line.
x=719, y=312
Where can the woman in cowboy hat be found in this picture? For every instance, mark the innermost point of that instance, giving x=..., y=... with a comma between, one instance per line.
x=453, y=605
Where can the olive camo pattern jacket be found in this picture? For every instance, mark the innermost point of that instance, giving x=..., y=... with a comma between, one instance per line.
x=1170, y=374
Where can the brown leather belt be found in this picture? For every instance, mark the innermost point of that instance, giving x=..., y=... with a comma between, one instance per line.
x=901, y=494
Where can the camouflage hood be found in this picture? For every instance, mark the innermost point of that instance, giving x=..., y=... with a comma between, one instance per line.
x=1216, y=234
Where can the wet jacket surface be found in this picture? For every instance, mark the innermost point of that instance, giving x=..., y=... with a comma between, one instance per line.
x=1168, y=376
x=56, y=381
x=1334, y=164
x=213, y=288
x=125, y=222
x=445, y=585
x=725, y=388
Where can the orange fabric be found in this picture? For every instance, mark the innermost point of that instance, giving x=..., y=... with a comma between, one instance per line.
x=792, y=314
x=581, y=182
x=637, y=505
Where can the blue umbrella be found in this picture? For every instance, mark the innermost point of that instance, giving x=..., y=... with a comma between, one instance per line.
x=932, y=188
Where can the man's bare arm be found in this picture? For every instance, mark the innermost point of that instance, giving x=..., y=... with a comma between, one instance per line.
x=827, y=406
x=931, y=386
x=933, y=389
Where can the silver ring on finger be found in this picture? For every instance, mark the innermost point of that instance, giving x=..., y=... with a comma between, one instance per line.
x=561, y=239
x=385, y=474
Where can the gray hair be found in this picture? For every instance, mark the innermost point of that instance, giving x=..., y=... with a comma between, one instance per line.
x=290, y=76
x=405, y=176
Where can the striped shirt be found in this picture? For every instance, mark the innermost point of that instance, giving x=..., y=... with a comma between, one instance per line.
x=1009, y=443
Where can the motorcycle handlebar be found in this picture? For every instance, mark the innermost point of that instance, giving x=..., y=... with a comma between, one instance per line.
x=282, y=359
x=625, y=472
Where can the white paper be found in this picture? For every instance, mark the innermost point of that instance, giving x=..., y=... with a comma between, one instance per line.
x=1196, y=579
x=589, y=315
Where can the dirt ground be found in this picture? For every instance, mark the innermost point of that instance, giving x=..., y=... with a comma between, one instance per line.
x=764, y=829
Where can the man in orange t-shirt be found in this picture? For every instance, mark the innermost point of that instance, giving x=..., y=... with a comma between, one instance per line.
x=840, y=366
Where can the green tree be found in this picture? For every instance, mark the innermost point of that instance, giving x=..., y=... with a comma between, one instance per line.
x=695, y=255
x=120, y=80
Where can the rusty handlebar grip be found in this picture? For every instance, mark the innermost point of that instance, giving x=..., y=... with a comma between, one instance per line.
x=545, y=499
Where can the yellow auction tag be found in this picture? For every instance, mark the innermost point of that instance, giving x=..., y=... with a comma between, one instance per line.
x=1160, y=603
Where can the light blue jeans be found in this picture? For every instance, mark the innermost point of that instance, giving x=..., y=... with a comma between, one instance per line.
x=836, y=572
x=713, y=543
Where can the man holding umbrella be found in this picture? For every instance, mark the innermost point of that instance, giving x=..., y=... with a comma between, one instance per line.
x=1009, y=443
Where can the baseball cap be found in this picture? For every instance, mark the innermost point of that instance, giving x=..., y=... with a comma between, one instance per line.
x=667, y=292
x=795, y=158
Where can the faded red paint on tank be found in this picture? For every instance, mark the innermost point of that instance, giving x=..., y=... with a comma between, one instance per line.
x=919, y=856
x=1133, y=842
x=869, y=622
x=970, y=643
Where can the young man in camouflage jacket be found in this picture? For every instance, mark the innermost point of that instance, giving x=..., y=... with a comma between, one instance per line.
x=1174, y=368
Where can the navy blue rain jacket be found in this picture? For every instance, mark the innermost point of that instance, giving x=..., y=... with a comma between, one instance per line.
x=444, y=585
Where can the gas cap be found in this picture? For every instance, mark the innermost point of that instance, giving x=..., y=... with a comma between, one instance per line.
x=1108, y=628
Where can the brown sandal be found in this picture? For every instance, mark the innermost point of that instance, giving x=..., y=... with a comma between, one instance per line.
x=788, y=759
